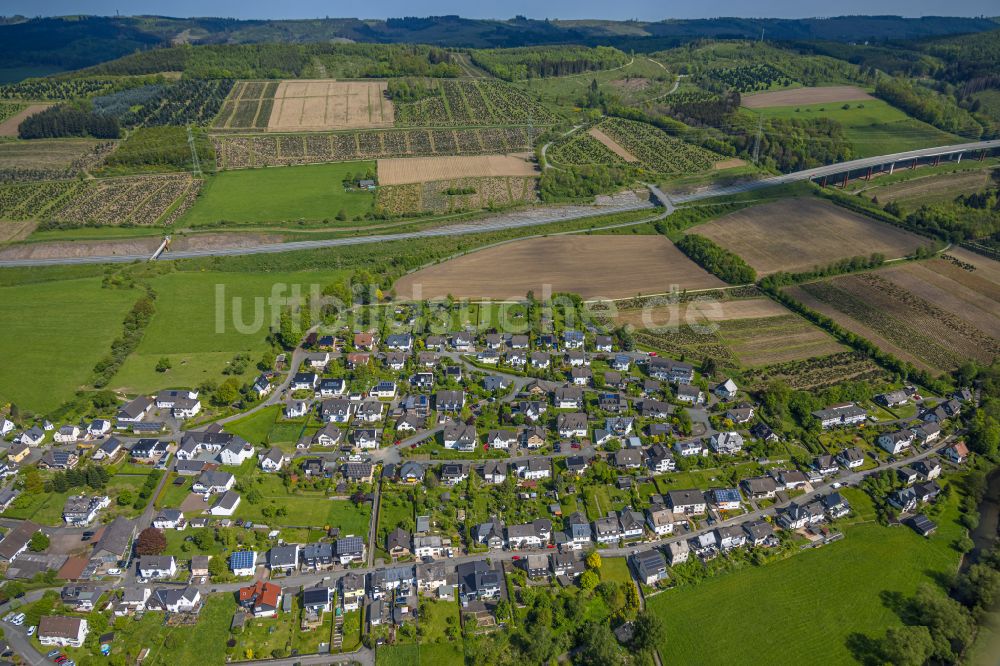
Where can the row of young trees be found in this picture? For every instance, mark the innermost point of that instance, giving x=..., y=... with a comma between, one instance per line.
x=133, y=328
x=716, y=259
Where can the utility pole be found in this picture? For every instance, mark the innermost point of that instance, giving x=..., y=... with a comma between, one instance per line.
x=195, y=164
x=756, y=145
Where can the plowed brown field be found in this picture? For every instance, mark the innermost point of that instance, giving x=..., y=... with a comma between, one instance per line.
x=799, y=234
x=592, y=266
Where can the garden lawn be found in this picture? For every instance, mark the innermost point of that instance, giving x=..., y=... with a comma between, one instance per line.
x=434, y=621
x=203, y=643
x=307, y=642
x=263, y=635
x=351, y=631
x=195, y=327
x=795, y=617
x=615, y=569
x=310, y=509
x=46, y=508
x=877, y=128
x=53, y=334
x=436, y=654
x=172, y=496
x=395, y=510
x=256, y=427
x=308, y=192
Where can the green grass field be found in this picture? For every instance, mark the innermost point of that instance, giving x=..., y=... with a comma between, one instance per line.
x=308, y=192
x=436, y=654
x=876, y=128
x=256, y=427
x=52, y=335
x=308, y=509
x=809, y=604
x=185, y=327
x=615, y=569
x=202, y=643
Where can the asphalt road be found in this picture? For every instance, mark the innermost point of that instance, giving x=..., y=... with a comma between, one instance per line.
x=529, y=217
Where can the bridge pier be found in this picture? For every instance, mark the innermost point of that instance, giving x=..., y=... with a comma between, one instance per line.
x=914, y=165
x=869, y=176
x=847, y=176
x=892, y=167
x=823, y=182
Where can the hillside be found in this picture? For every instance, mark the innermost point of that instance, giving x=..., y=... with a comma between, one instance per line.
x=75, y=42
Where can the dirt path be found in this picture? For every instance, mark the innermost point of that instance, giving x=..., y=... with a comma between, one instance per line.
x=9, y=126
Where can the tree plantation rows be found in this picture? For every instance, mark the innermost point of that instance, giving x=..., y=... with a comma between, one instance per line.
x=182, y=103
x=133, y=201
x=240, y=152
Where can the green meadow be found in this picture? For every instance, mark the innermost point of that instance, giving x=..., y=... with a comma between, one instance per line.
x=289, y=194
x=818, y=602
x=52, y=335
x=195, y=326
x=874, y=127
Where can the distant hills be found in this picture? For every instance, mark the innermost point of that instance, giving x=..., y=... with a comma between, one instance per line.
x=73, y=42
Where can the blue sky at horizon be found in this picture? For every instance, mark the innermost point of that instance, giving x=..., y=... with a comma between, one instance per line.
x=647, y=10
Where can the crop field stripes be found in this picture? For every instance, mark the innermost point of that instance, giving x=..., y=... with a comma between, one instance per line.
x=818, y=372
x=921, y=331
x=248, y=106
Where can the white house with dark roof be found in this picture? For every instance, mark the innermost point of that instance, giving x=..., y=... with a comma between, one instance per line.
x=896, y=442
x=226, y=504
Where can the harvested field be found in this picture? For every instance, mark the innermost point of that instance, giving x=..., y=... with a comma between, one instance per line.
x=796, y=96
x=423, y=169
x=799, y=234
x=9, y=126
x=591, y=266
x=51, y=155
x=323, y=104
x=15, y=231
x=921, y=313
x=697, y=312
x=781, y=339
x=729, y=164
x=612, y=145
x=913, y=193
x=775, y=336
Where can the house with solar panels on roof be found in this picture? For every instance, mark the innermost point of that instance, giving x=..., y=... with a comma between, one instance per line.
x=349, y=549
x=243, y=562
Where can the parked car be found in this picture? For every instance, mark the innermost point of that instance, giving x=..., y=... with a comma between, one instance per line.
x=114, y=572
x=31, y=630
